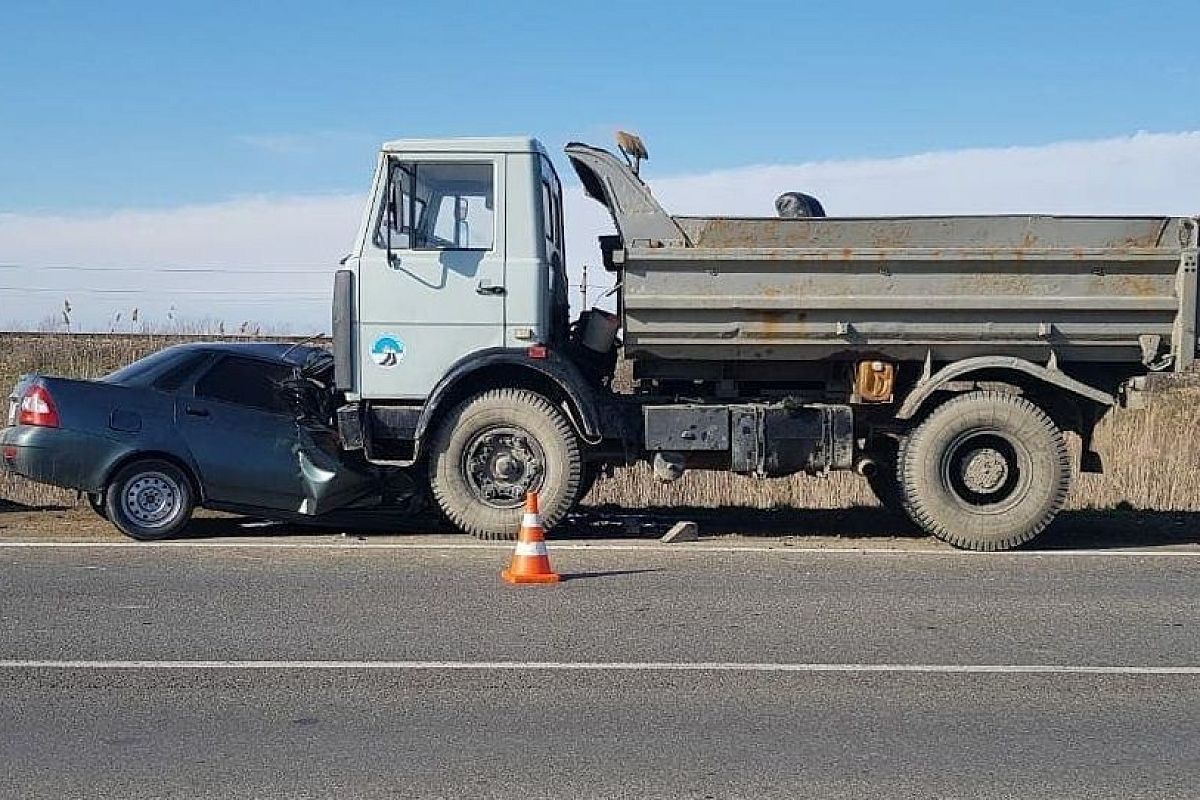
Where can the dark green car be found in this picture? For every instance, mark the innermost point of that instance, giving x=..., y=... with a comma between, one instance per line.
x=230, y=426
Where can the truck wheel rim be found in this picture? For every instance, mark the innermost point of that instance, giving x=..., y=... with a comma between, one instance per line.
x=502, y=464
x=151, y=499
x=986, y=471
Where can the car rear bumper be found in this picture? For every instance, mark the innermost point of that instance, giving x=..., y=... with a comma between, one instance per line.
x=58, y=456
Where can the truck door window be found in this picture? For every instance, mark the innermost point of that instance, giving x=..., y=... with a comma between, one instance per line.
x=440, y=206
x=548, y=211
x=552, y=212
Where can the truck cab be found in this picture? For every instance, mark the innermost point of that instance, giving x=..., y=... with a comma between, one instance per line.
x=460, y=251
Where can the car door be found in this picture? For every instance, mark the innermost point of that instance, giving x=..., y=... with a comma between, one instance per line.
x=241, y=437
x=431, y=286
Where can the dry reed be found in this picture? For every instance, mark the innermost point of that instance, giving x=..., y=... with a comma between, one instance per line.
x=1149, y=457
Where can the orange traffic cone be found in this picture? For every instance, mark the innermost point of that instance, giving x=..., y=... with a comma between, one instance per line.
x=531, y=562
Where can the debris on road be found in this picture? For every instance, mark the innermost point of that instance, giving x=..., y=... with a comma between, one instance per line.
x=683, y=531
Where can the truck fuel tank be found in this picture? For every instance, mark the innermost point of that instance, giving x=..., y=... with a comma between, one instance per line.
x=761, y=439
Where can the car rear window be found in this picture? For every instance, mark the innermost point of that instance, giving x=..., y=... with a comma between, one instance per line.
x=245, y=382
x=139, y=371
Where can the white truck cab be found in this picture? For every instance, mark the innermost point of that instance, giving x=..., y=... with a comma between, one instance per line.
x=458, y=252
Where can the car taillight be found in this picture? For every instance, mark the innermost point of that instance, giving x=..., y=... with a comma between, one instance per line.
x=37, y=408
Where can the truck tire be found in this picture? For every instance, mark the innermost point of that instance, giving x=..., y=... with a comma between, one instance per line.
x=985, y=471
x=150, y=499
x=491, y=450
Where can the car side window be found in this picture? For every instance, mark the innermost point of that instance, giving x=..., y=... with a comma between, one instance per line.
x=177, y=375
x=245, y=382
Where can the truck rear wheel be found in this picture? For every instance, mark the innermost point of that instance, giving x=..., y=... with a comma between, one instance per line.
x=985, y=471
x=495, y=447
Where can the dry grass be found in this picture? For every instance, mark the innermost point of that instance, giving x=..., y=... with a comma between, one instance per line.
x=1150, y=463
x=1149, y=456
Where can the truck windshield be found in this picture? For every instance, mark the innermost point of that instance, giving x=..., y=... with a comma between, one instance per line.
x=438, y=206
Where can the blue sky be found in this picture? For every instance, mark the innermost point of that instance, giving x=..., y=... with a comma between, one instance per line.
x=209, y=160
x=156, y=104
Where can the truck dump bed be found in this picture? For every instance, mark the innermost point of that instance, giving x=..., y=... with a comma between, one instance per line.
x=1083, y=289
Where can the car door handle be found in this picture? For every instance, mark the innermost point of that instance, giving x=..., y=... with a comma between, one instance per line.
x=192, y=411
x=485, y=287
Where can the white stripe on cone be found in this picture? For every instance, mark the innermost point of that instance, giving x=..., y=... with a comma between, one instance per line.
x=531, y=549
x=530, y=521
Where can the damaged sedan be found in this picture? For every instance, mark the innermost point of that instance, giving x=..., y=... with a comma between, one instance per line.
x=238, y=427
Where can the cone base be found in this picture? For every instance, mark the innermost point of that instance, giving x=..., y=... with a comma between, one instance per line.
x=516, y=578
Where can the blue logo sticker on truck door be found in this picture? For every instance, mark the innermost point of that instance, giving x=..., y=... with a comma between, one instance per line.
x=387, y=351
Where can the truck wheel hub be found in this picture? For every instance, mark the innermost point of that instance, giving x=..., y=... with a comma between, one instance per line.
x=503, y=464
x=984, y=470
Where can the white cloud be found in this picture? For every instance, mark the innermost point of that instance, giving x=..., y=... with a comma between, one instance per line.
x=284, y=249
x=1142, y=174
x=274, y=256
x=301, y=144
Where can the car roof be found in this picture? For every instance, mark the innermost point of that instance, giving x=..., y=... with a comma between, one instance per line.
x=287, y=352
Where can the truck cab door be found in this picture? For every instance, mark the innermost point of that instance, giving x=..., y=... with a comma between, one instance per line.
x=431, y=287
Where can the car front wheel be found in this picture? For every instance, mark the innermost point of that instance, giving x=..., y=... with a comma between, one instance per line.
x=150, y=499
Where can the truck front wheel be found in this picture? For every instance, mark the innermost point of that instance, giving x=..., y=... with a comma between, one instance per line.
x=985, y=471
x=493, y=449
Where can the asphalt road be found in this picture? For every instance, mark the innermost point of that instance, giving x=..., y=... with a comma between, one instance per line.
x=407, y=669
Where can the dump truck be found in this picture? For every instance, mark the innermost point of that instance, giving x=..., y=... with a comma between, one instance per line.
x=959, y=363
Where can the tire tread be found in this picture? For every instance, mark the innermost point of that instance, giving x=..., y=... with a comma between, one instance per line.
x=1031, y=419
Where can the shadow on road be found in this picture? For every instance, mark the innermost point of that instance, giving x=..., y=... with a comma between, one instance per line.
x=1091, y=529
x=1079, y=529
x=613, y=522
x=611, y=573
x=359, y=526
x=9, y=506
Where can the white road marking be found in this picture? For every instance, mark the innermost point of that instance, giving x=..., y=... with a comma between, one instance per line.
x=649, y=547
x=609, y=666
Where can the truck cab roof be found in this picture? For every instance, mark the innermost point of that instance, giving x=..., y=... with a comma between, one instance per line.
x=488, y=144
